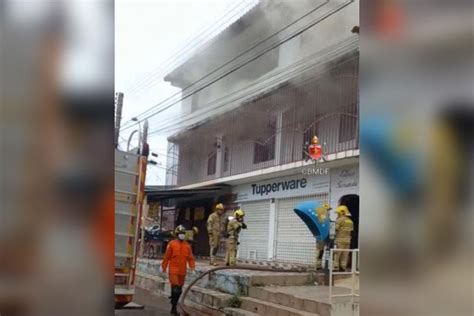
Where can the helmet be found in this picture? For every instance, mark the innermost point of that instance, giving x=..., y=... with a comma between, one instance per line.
x=180, y=230
x=195, y=230
x=327, y=206
x=315, y=140
x=343, y=210
x=239, y=213
x=220, y=206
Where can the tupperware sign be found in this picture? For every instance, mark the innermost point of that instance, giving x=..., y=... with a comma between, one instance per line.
x=265, y=189
x=282, y=187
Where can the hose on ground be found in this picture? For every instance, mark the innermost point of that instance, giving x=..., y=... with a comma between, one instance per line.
x=251, y=268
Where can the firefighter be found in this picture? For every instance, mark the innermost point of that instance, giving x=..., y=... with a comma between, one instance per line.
x=233, y=229
x=178, y=253
x=191, y=235
x=215, y=228
x=344, y=228
x=322, y=213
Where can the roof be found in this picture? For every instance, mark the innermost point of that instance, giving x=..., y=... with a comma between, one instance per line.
x=156, y=193
x=210, y=55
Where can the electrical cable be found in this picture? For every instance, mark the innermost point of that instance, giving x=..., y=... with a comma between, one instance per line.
x=236, y=58
x=181, y=51
x=339, y=48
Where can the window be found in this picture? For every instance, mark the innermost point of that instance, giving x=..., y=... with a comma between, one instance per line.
x=226, y=158
x=211, y=163
x=347, y=127
x=264, y=151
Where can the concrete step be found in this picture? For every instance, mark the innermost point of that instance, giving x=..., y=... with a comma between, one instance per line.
x=230, y=311
x=233, y=282
x=270, y=309
x=239, y=282
x=312, y=299
x=276, y=295
x=208, y=298
x=196, y=309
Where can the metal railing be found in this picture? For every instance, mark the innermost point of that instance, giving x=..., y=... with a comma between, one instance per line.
x=273, y=129
x=338, y=132
x=353, y=273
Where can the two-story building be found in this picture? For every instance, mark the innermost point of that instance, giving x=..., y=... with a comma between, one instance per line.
x=281, y=74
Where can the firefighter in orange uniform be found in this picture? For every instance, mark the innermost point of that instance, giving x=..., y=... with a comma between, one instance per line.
x=178, y=254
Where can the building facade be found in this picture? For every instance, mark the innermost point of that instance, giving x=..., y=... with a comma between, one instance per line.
x=249, y=129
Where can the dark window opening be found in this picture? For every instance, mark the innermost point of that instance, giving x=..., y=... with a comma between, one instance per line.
x=211, y=163
x=226, y=158
x=264, y=147
x=264, y=151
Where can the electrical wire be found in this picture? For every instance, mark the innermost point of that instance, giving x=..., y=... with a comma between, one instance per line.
x=332, y=51
x=196, y=41
x=232, y=60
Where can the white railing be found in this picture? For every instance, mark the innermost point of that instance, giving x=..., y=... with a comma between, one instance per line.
x=353, y=273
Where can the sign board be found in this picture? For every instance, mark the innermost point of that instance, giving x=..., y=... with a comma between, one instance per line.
x=296, y=185
x=345, y=177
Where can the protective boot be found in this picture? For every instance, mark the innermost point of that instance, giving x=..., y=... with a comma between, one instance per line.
x=174, y=299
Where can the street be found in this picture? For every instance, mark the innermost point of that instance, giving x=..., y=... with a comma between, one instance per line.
x=154, y=305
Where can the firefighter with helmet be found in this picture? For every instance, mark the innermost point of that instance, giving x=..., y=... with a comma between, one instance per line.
x=233, y=228
x=344, y=228
x=215, y=228
x=322, y=213
x=178, y=254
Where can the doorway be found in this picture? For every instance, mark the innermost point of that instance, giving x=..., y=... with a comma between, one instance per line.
x=352, y=203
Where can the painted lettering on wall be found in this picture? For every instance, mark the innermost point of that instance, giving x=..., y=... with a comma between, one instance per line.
x=347, y=178
x=265, y=189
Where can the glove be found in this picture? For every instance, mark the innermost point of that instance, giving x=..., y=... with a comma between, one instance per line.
x=244, y=226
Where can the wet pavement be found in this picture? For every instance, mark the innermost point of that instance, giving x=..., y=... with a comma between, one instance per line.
x=154, y=305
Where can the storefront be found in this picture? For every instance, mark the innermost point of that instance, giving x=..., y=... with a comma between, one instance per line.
x=275, y=232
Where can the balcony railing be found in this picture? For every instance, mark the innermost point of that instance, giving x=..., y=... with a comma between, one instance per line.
x=337, y=132
x=274, y=128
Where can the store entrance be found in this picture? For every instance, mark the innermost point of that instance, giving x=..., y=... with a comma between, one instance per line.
x=352, y=203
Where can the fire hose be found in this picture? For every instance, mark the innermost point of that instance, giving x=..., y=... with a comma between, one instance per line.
x=251, y=268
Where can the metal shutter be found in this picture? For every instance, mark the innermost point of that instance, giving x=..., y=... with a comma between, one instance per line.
x=294, y=241
x=254, y=239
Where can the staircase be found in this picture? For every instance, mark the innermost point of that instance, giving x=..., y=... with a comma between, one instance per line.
x=253, y=293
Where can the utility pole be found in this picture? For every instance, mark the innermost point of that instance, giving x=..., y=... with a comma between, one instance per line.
x=118, y=116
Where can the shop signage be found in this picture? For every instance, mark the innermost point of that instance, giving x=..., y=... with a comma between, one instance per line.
x=346, y=177
x=282, y=187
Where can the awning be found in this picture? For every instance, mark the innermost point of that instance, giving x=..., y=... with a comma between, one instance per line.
x=157, y=193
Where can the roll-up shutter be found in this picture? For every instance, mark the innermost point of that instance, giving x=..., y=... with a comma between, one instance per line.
x=254, y=239
x=294, y=241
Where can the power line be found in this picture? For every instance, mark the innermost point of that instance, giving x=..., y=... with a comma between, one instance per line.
x=147, y=82
x=338, y=50
x=181, y=51
x=229, y=62
x=306, y=27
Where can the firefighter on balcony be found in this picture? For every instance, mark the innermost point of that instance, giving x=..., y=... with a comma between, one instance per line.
x=233, y=228
x=178, y=254
x=322, y=214
x=344, y=228
x=215, y=228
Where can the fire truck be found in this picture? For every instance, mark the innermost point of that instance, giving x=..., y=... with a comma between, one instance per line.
x=130, y=172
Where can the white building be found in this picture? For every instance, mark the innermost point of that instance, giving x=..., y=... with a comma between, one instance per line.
x=246, y=124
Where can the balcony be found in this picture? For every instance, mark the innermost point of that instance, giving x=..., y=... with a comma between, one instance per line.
x=273, y=129
x=199, y=161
